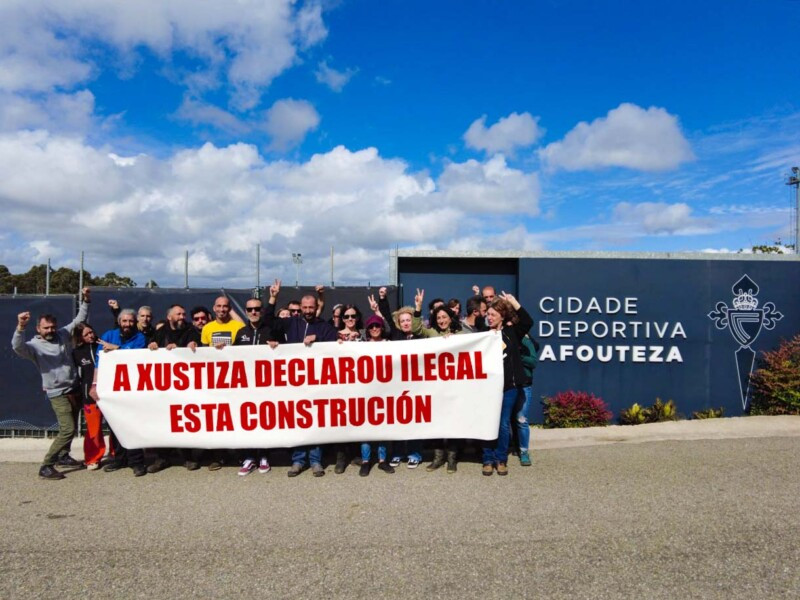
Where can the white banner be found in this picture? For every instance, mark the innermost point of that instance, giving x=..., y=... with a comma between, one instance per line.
x=257, y=397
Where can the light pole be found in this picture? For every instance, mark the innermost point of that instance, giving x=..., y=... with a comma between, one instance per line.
x=794, y=180
x=297, y=259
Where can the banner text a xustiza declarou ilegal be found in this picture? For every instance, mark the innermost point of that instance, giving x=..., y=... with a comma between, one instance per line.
x=254, y=396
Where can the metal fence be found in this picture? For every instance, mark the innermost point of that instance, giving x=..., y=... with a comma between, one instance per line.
x=24, y=408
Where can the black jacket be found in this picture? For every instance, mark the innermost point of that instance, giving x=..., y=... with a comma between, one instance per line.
x=166, y=336
x=248, y=335
x=85, y=357
x=295, y=329
x=192, y=335
x=513, y=370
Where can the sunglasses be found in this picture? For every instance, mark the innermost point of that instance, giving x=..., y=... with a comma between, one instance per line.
x=350, y=316
x=252, y=308
x=374, y=326
x=294, y=311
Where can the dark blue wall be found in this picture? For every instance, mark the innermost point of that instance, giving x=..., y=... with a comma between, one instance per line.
x=674, y=291
x=453, y=278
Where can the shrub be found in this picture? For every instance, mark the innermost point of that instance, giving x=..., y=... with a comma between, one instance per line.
x=661, y=411
x=633, y=416
x=709, y=413
x=575, y=409
x=775, y=384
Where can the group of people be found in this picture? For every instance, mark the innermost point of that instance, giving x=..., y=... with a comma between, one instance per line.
x=67, y=359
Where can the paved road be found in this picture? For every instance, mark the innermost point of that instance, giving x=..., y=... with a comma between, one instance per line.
x=703, y=519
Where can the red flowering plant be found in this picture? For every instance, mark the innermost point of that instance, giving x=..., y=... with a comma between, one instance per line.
x=575, y=409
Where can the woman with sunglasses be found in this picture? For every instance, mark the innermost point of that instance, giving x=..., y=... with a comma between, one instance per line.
x=374, y=333
x=84, y=354
x=351, y=329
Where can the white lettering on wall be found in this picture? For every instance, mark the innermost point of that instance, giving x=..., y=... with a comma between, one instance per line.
x=573, y=319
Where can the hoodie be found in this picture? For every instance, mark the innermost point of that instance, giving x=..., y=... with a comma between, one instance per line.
x=52, y=359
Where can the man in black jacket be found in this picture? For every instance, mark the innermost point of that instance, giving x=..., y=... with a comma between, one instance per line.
x=256, y=331
x=305, y=328
x=172, y=335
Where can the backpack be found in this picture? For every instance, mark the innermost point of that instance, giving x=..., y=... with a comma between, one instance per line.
x=529, y=351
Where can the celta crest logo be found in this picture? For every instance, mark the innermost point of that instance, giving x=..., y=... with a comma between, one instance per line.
x=745, y=321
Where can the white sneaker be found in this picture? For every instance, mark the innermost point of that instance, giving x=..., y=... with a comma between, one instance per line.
x=395, y=462
x=263, y=465
x=247, y=467
x=93, y=466
x=413, y=463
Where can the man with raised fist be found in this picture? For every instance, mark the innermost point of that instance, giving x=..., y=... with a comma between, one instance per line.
x=50, y=350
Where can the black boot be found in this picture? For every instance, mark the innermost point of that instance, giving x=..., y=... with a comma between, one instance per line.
x=438, y=460
x=451, y=461
x=341, y=463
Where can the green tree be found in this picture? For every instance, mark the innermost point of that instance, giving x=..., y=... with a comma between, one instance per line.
x=66, y=281
x=6, y=286
x=62, y=280
x=32, y=282
x=113, y=280
x=777, y=247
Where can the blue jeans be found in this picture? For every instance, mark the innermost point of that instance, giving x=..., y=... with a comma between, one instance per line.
x=366, y=452
x=523, y=428
x=499, y=453
x=314, y=454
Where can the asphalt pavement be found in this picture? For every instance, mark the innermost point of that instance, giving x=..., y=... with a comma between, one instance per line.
x=687, y=511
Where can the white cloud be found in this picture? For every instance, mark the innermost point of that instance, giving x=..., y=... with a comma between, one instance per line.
x=658, y=217
x=336, y=80
x=43, y=43
x=628, y=136
x=288, y=121
x=137, y=214
x=198, y=112
x=508, y=134
x=58, y=112
x=490, y=187
x=43, y=250
x=516, y=238
x=724, y=251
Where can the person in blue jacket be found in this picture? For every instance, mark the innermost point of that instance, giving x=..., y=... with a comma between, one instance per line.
x=124, y=337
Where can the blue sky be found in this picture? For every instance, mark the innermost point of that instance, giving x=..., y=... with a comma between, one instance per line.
x=137, y=131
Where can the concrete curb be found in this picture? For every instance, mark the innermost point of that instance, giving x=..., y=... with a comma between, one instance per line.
x=31, y=450
x=699, y=429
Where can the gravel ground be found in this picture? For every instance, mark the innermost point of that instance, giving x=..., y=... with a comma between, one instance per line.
x=687, y=519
